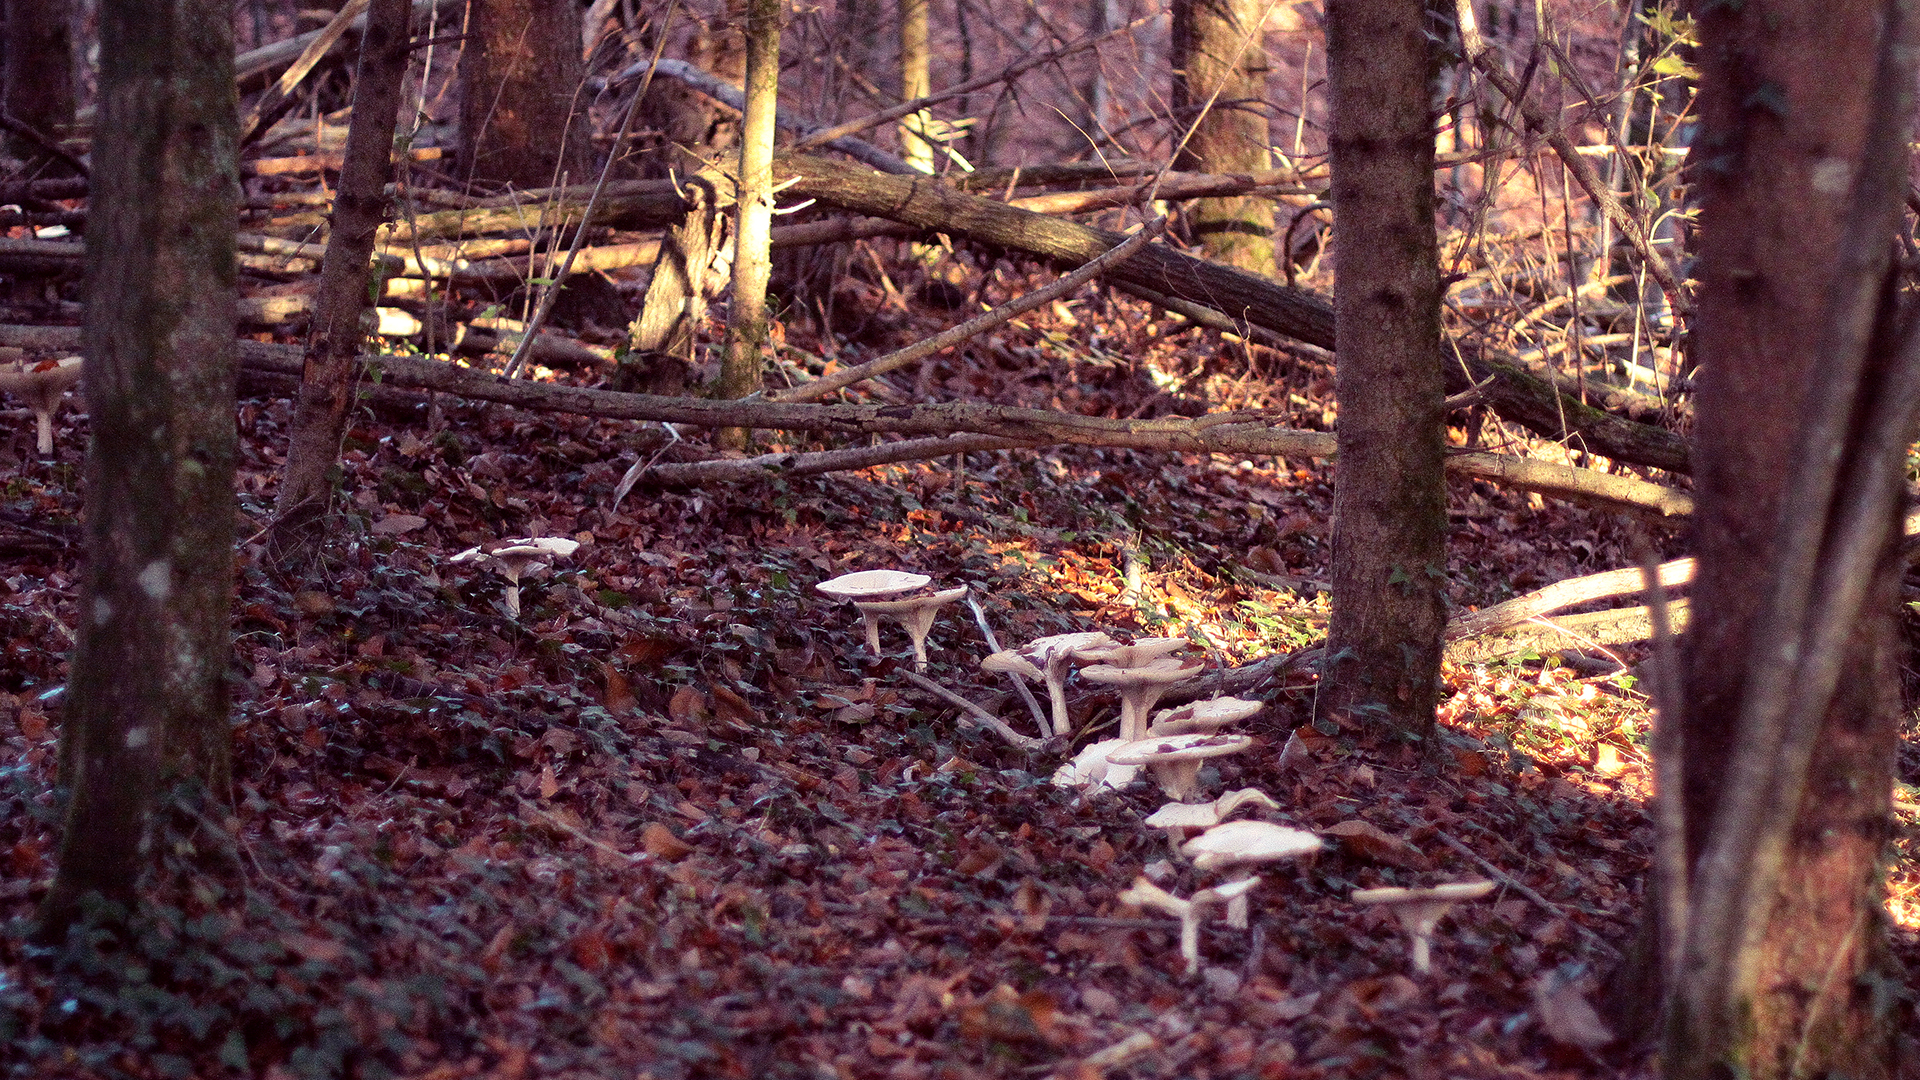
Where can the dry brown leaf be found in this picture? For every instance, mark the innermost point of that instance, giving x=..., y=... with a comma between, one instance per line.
x=658, y=840
x=618, y=697
x=1007, y=1016
x=1370, y=842
x=1566, y=1016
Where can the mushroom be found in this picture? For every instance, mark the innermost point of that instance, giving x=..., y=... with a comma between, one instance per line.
x=872, y=585
x=915, y=613
x=1420, y=910
x=1141, y=652
x=1175, y=760
x=1146, y=894
x=1175, y=817
x=1052, y=655
x=41, y=386
x=513, y=557
x=1140, y=687
x=1090, y=768
x=1246, y=844
x=1203, y=716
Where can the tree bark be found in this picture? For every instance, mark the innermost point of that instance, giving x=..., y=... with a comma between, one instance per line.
x=1220, y=87
x=676, y=301
x=521, y=121
x=333, y=350
x=147, y=699
x=1389, y=504
x=1804, y=415
x=39, y=80
x=753, y=202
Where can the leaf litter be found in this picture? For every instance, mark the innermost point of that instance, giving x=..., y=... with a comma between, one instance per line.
x=671, y=822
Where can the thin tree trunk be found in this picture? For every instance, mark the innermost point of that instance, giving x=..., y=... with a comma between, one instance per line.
x=521, y=121
x=39, y=82
x=1220, y=78
x=1804, y=416
x=1389, y=505
x=147, y=700
x=359, y=208
x=916, y=81
x=752, y=264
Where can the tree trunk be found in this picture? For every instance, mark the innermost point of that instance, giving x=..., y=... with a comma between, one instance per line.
x=359, y=208
x=1791, y=702
x=147, y=700
x=521, y=121
x=916, y=81
x=39, y=82
x=752, y=261
x=1389, y=504
x=1220, y=80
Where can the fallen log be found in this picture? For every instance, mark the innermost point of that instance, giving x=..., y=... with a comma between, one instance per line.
x=1243, y=434
x=1294, y=313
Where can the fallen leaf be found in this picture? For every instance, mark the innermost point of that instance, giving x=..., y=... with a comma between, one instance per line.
x=1606, y=760
x=398, y=524
x=1370, y=842
x=656, y=839
x=618, y=697
x=1566, y=1016
x=590, y=950
x=1007, y=1016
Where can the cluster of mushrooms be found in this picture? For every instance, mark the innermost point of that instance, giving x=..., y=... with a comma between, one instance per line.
x=1170, y=744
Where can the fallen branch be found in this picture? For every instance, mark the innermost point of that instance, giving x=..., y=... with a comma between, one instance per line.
x=970, y=714
x=980, y=324
x=1563, y=594
x=1240, y=434
x=1616, y=626
x=1161, y=272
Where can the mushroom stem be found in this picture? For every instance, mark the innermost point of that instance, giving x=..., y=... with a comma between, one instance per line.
x=872, y=619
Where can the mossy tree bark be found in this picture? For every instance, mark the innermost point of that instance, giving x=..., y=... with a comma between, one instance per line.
x=752, y=260
x=1389, y=504
x=1805, y=413
x=522, y=118
x=1220, y=66
x=147, y=701
x=327, y=380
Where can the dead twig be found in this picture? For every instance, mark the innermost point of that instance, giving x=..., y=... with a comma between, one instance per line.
x=972, y=715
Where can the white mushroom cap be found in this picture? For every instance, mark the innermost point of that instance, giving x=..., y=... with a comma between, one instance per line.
x=1142, y=651
x=1053, y=655
x=1420, y=910
x=915, y=613
x=1010, y=660
x=1210, y=715
x=1240, y=843
x=41, y=386
x=1207, y=815
x=1140, y=687
x=872, y=584
x=1090, y=768
x=1175, y=759
x=512, y=558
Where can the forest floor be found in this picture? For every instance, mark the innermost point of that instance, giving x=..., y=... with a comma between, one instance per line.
x=672, y=821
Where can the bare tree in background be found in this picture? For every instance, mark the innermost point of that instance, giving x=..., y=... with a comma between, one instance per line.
x=523, y=120
x=916, y=81
x=39, y=81
x=1389, y=503
x=752, y=265
x=327, y=378
x=1220, y=77
x=147, y=700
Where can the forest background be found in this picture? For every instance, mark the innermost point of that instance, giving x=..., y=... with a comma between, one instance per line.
x=349, y=804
